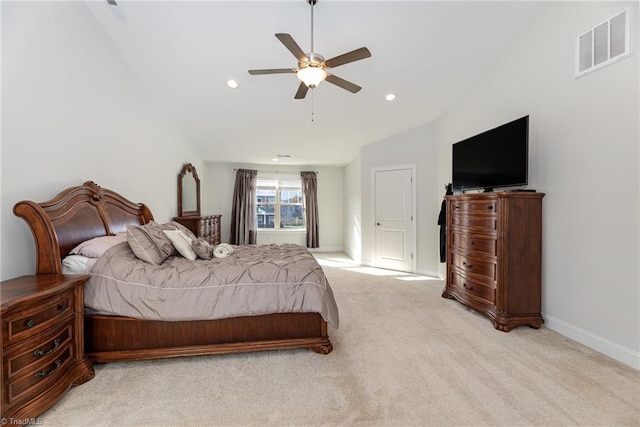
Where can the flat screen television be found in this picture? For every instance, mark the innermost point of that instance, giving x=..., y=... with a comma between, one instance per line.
x=498, y=157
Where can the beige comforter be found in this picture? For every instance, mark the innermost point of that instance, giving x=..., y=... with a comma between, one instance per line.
x=254, y=280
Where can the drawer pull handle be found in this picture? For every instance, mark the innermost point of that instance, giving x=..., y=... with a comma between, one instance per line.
x=30, y=323
x=467, y=265
x=467, y=287
x=40, y=353
x=490, y=207
x=42, y=374
x=62, y=306
x=456, y=206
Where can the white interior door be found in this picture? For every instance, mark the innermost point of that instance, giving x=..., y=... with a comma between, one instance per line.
x=394, y=219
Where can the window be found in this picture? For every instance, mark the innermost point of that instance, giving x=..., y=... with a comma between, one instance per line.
x=279, y=202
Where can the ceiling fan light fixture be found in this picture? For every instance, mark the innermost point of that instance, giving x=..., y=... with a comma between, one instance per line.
x=311, y=76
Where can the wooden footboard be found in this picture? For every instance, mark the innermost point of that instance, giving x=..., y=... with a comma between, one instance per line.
x=113, y=339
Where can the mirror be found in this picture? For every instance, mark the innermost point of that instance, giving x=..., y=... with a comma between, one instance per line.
x=188, y=191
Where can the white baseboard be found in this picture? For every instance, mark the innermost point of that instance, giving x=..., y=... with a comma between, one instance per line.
x=429, y=273
x=602, y=345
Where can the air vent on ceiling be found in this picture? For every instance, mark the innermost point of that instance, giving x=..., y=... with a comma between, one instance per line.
x=112, y=2
x=607, y=42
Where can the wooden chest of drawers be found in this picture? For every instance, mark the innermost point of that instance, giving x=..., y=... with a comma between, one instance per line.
x=42, y=342
x=494, y=255
x=205, y=227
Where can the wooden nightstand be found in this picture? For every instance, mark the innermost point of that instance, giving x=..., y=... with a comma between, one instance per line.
x=42, y=342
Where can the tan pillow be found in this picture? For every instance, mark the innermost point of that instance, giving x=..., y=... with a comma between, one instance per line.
x=148, y=243
x=202, y=248
x=182, y=243
x=94, y=248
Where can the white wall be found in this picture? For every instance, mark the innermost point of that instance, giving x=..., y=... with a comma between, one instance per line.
x=584, y=140
x=219, y=196
x=71, y=112
x=419, y=147
x=352, y=214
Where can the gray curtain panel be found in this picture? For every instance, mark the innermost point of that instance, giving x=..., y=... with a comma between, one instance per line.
x=310, y=193
x=243, y=212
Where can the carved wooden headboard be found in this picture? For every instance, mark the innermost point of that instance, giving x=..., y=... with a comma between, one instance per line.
x=76, y=214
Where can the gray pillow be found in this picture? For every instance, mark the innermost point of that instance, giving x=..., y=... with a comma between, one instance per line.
x=202, y=248
x=148, y=243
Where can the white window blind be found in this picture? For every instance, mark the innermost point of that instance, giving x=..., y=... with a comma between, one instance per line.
x=279, y=201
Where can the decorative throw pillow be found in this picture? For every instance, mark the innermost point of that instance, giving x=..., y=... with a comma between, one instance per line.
x=148, y=243
x=182, y=243
x=202, y=248
x=94, y=248
x=173, y=225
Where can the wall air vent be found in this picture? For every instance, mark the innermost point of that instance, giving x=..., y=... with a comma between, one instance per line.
x=607, y=42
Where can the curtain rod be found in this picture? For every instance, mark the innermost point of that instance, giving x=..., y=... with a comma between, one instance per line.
x=276, y=171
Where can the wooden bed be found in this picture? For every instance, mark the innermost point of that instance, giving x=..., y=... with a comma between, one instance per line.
x=87, y=211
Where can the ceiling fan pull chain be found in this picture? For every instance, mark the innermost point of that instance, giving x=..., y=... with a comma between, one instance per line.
x=312, y=105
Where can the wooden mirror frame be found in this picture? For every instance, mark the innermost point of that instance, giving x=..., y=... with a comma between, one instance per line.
x=188, y=168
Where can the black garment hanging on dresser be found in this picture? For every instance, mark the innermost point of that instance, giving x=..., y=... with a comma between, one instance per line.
x=442, y=222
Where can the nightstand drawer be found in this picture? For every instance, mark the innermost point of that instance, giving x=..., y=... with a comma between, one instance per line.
x=43, y=314
x=42, y=375
x=35, y=349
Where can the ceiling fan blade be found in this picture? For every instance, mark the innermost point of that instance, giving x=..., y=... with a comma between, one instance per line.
x=344, y=84
x=293, y=47
x=302, y=91
x=272, y=71
x=345, y=58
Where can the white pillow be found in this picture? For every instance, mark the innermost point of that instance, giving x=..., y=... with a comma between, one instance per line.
x=77, y=264
x=74, y=264
x=182, y=243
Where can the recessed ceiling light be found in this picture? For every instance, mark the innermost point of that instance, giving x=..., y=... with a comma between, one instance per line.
x=275, y=160
x=232, y=84
x=390, y=97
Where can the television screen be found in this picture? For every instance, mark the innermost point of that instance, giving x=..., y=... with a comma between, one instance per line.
x=496, y=158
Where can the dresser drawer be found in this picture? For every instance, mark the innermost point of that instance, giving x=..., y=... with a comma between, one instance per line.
x=474, y=243
x=480, y=222
x=40, y=376
x=474, y=207
x=35, y=349
x=43, y=314
x=474, y=288
x=474, y=265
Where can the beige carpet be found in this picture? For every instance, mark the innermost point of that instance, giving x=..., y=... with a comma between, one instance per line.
x=403, y=356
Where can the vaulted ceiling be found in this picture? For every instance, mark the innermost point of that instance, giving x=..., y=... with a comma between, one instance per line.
x=427, y=53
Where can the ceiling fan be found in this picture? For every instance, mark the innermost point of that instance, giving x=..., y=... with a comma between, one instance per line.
x=312, y=67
